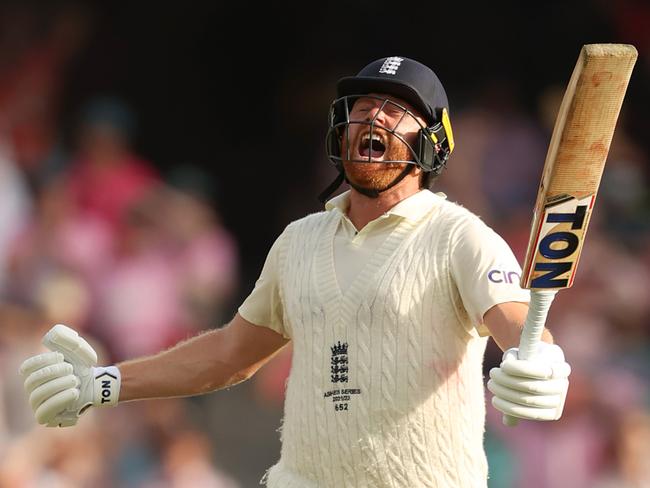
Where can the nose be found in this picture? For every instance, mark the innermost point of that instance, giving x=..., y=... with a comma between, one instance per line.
x=376, y=113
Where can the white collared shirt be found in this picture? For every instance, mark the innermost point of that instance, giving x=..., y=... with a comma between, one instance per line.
x=353, y=248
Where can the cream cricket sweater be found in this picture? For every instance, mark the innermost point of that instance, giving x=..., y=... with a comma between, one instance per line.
x=386, y=386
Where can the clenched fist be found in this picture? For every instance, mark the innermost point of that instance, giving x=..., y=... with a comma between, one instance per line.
x=63, y=383
x=532, y=389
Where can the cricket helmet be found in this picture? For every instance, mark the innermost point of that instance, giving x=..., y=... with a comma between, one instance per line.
x=407, y=80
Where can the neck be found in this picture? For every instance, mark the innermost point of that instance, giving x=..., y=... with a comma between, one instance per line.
x=364, y=209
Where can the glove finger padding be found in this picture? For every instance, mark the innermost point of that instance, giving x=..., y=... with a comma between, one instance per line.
x=514, y=396
x=56, y=404
x=71, y=344
x=51, y=388
x=536, y=370
x=40, y=361
x=529, y=385
x=48, y=373
x=521, y=411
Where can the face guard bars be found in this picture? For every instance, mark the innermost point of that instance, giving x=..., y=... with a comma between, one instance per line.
x=430, y=152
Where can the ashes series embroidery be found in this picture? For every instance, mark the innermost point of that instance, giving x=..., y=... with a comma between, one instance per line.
x=339, y=369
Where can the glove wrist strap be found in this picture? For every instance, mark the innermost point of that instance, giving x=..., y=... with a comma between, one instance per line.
x=106, y=388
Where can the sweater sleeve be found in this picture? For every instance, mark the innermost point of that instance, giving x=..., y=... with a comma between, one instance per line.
x=485, y=270
x=264, y=305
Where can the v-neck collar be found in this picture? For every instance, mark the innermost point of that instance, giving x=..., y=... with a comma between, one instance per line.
x=340, y=305
x=335, y=301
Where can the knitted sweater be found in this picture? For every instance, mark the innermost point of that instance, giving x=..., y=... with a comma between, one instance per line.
x=386, y=386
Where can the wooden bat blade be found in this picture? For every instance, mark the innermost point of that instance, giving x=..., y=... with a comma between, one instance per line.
x=574, y=164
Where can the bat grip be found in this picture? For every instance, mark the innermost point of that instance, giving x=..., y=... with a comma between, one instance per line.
x=531, y=335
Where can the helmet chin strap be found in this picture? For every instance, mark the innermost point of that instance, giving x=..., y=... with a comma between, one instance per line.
x=369, y=192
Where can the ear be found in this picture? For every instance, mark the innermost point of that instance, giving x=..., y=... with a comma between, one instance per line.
x=417, y=172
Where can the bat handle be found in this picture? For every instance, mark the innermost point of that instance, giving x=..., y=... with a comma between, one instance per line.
x=531, y=335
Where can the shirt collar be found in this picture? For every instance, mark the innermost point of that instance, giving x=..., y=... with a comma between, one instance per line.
x=411, y=208
x=340, y=202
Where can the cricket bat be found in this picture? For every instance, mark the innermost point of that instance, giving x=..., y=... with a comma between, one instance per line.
x=572, y=171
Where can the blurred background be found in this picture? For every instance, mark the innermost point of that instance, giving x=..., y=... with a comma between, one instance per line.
x=149, y=156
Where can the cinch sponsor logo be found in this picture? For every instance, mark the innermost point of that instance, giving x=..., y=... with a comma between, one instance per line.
x=501, y=276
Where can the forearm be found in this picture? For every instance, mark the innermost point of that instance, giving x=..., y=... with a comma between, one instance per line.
x=505, y=322
x=197, y=365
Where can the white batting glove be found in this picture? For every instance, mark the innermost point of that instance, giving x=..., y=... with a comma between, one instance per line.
x=532, y=389
x=63, y=383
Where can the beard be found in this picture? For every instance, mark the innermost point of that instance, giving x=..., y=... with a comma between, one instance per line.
x=376, y=175
x=373, y=176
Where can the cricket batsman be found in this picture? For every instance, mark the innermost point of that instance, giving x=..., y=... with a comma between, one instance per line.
x=388, y=295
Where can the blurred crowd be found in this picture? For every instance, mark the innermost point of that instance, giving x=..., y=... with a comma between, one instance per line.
x=97, y=236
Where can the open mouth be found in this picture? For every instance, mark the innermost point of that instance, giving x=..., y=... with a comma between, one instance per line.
x=372, y=146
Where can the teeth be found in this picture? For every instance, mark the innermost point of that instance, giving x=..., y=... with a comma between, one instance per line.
x=375, y=137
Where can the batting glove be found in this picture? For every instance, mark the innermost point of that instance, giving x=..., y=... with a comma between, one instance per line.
x=532, y=389
x=63, y=383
